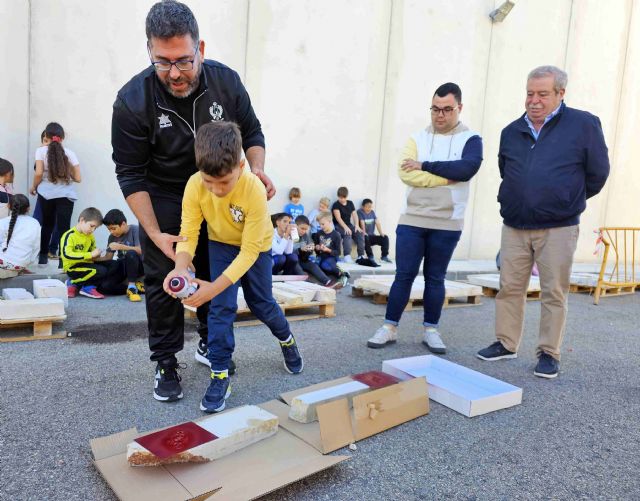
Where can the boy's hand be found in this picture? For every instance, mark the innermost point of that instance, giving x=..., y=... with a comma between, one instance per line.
x=408, y=165
x=95, y=253
x=115, y=246
x=177, y=272
x=204, y=293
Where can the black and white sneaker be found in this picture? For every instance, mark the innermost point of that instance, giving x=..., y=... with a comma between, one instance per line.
x=167, y=383
x=496, y=352
x=293, y=362
x=547, y=366
x=201, y=356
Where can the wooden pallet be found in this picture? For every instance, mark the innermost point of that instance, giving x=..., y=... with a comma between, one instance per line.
x=490, y=283
x=588, y=282
x=531, y=295
x=293, y=312
x=42, y=329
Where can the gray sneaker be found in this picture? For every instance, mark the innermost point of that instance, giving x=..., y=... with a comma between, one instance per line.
x=383, y=337
x=433, y=341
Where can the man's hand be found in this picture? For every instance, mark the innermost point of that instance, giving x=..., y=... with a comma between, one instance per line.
x=409, y=165
x=165, y=241
x=271, y=189
x=205, y=292
x=347, y=230
x=177, y=272
x=95, y=253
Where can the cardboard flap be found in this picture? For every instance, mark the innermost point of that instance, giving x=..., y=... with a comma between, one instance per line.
x=290, y=395
x=111, y=445
x=336, y=430
x=379, y=410
x=309, y=432
x=206, y=495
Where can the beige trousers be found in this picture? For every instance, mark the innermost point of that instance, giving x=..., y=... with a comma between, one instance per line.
x=552, y=249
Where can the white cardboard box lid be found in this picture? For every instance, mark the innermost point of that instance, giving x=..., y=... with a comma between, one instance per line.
x=455, y=386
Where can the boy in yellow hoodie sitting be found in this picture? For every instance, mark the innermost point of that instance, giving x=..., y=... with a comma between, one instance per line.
x=233, y=202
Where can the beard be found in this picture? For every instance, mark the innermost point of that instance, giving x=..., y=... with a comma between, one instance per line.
x=192, y=84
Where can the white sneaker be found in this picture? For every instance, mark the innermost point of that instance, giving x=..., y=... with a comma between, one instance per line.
x=433, y=341
x=383, y=336
x=348, y=259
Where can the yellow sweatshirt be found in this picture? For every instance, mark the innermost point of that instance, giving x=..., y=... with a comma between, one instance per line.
x=417, y=178
x=240, y=218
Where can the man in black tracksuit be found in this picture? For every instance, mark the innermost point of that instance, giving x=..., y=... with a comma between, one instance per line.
x=155, y=119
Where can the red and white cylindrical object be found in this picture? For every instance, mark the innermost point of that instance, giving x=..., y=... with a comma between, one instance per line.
x=181, y=288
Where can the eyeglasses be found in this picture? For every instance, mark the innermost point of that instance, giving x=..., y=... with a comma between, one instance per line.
x=447, y=110
x=183, y=65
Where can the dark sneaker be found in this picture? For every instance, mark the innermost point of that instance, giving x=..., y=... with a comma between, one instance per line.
x=43, y=259
x=547, y=366
x=386, y=259
x=218, y=391
x=293, y=362
x=496, y=352
x=167, y=385
x=201, y=356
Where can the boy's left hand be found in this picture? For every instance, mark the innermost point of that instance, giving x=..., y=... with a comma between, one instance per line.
x=409, y=165
x=204, y=293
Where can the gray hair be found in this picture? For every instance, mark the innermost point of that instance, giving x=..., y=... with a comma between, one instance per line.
x=168, y=18
x=560, y=77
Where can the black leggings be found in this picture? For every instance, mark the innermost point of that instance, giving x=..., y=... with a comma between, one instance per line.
x=56, y=211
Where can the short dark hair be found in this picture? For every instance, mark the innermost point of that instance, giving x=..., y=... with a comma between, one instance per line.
x=449, y=88
x=366, y=201
x=168, y=18
x=343, y=191
x=91, y=214
x=280, y=216
x=302, y=219
x=114, y=216
x=6, y=167
x=218, y=148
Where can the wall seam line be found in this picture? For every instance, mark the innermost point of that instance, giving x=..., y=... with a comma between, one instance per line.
x=246, y=42
x=29, y=63
x=566, y=45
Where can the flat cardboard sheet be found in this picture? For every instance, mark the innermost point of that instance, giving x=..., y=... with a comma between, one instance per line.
x=246, y=474
x=464, y=390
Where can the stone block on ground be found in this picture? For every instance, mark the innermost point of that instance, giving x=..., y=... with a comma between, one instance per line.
x=307, y=294
x=303, y=407
x=51, y=287
x=11, y=293
x=492, y=281
x=287, y=298
x=31, y=309
x=322, y=294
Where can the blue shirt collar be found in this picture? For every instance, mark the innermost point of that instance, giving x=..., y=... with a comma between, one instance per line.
x=533, y=130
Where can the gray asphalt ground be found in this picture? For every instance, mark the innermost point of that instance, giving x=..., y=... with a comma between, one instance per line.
x=576, y=437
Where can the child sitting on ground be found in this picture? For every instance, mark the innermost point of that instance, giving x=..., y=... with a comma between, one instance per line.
x=6, y=181
x=284, y=259
x=239, y=252
x=124, y=241
x=295, y=208
x=346, y=224
x=81, y=261
x=19, y=238
x=328, y=249
x=323, y=206
x=305, y=248
x=369, y=222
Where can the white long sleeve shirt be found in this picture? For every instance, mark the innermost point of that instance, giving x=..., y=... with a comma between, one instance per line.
x=24, y=245
x=280, y=245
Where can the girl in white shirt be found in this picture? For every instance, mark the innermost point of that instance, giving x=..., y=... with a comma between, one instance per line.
x=19, y=238
x=57, y=169
x=6, y=179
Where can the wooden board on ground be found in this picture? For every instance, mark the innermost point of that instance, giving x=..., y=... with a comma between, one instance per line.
x=293, y=312
x=42, y=329
x=587, y=282
x=490, y=283
x=379, y=286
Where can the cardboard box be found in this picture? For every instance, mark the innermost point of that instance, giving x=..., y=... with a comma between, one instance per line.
x=464, y=390
x=372, y=413
x=246, y=474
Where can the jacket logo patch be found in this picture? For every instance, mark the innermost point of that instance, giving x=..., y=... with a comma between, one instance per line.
x=216, y=111
x=165, y=121
x=237, y=213
x=78, y=247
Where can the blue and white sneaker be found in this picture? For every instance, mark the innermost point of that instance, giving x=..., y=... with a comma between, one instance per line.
x=214, y=399
x=167, y=383
x=293, y=362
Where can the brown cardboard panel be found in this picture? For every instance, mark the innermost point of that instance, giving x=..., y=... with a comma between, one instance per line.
x=290, y=395
x=385, y=408
x=113, y=444
x=309, y=432
x=206, y=495
x=336, y=429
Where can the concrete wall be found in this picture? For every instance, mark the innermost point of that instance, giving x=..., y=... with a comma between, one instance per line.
x=339, y=86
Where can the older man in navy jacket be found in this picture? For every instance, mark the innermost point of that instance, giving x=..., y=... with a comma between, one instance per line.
x=552, y=159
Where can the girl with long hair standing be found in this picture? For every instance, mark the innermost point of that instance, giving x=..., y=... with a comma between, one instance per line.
x=57, y=169
x=19, y=238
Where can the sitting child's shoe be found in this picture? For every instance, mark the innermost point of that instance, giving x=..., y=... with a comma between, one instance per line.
x=217, y=393
x=72, y=290
x=140, y=286
x=293, y=362
x=91, y=291
x=386, y=259
x=132, y=294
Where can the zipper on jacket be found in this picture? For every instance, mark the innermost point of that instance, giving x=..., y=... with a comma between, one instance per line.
x=192, y=129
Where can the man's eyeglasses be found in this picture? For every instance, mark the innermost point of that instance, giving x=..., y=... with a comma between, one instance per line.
x=182, y=65
x=447, y=110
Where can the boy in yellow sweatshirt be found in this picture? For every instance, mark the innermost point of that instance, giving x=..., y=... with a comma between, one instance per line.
x=233, y=202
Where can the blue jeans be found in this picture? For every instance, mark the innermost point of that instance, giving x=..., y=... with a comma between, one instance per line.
x=414, y=244
x=256, y=285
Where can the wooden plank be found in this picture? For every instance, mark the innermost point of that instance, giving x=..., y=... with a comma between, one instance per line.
x=324, y=310
x=13, y=339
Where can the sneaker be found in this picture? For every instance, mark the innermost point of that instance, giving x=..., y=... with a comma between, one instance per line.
x=386, y=259
x=132, y=294
x=217, y=393
x=344, y=280
x=140, y=286
x=433, y=341
x=547, y=366
x=167, y=383
x=347, y=259
x=496, y=352
x=51, y=255
x=72, y=290
x=201, y=356
x=293, y=362
x=383, y=336
x=91, y=291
